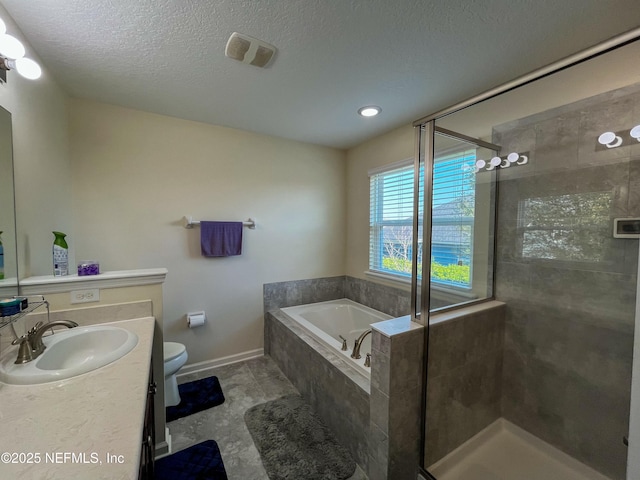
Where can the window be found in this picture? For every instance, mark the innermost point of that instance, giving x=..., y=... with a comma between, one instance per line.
x=391, y=220
x=452, y=219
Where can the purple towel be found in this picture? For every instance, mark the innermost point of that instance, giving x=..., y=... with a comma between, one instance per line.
x=221, y=239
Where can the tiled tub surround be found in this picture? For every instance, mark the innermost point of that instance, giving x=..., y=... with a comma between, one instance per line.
x=301, y=292
x=383, y=433
x=390, y=300
x=336, y=390
x=330, y=322
x=570, y=310
x=464, y=376
x=100, y=412
x=396, y=399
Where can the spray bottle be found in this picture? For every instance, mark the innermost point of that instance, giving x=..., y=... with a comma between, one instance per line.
x=60, y=255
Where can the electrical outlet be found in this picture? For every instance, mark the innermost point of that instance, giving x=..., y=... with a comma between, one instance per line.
x=85, y=296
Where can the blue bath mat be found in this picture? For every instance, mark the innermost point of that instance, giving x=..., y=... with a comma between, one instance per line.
x=199, y=462
x=196, y=396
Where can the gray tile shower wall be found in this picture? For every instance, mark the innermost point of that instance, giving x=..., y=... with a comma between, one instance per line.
x=464, y=378
x=570, y=286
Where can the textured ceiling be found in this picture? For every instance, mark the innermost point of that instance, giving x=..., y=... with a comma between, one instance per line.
x=410, y=57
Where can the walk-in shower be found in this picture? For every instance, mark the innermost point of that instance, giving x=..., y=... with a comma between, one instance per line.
x=520, y=194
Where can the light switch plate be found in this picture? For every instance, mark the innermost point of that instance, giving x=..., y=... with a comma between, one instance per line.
x=85, y=296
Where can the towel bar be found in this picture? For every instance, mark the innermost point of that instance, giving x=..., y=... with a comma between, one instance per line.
x=189, y=222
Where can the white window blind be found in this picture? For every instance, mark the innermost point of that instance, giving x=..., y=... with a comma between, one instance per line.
x=391, y=220
x=452, y=218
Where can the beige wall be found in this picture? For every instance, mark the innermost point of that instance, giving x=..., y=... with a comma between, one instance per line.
x=135, y=175
x=41, y=161
x=389, y=148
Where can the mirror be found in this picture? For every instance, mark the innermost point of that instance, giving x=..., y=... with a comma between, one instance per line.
x=8, y=257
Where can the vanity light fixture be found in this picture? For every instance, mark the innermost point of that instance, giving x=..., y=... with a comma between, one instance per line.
x=11, y=47
x=12, y=56
x=635, y=132
x=369, y=111
x=24, y=66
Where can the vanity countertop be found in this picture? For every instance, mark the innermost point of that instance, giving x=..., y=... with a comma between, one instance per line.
x=89, y=426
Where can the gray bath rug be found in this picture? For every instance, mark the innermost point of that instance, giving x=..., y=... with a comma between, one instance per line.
x=294, y=444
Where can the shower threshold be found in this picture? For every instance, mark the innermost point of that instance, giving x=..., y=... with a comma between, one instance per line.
x=503, y=451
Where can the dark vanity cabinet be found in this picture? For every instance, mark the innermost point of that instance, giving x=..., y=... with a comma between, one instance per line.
x=148, y=433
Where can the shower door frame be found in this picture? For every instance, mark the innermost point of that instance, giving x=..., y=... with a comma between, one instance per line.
x=425, y=130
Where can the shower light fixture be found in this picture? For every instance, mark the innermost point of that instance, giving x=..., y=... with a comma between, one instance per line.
x=12, y=56
x=619, y=138
x=503, y=162
x=610, y=140
x=369, y=111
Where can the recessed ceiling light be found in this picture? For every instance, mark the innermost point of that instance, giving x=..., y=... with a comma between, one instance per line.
x=369, y=111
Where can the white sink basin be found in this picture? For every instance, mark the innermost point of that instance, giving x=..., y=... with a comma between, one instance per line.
x=69, y=353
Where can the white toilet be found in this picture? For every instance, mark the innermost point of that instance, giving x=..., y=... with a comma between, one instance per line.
x=175, y=356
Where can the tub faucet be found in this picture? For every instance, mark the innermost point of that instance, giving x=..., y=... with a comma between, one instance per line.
x=356, y=346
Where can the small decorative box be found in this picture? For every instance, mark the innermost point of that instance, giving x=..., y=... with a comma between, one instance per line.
x=88, y=267
x=9, y=306
x=24, y=302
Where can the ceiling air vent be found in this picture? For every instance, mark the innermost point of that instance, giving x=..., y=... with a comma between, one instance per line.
x=249, y=50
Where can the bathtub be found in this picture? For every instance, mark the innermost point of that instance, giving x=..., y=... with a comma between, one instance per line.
x=327, y=321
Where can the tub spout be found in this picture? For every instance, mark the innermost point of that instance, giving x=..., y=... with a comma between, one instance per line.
x=356, y=346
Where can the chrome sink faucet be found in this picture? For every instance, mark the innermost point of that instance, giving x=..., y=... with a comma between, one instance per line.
x=31, y=345
x=35, y=339
x=358, y=343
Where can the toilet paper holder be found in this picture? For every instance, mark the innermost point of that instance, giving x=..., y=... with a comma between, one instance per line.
x=196, y=319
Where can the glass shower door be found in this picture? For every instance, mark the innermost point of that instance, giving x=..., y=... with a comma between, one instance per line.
x=534, y=382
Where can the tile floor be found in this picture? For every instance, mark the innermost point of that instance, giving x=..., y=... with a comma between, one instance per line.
x=244, y=385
